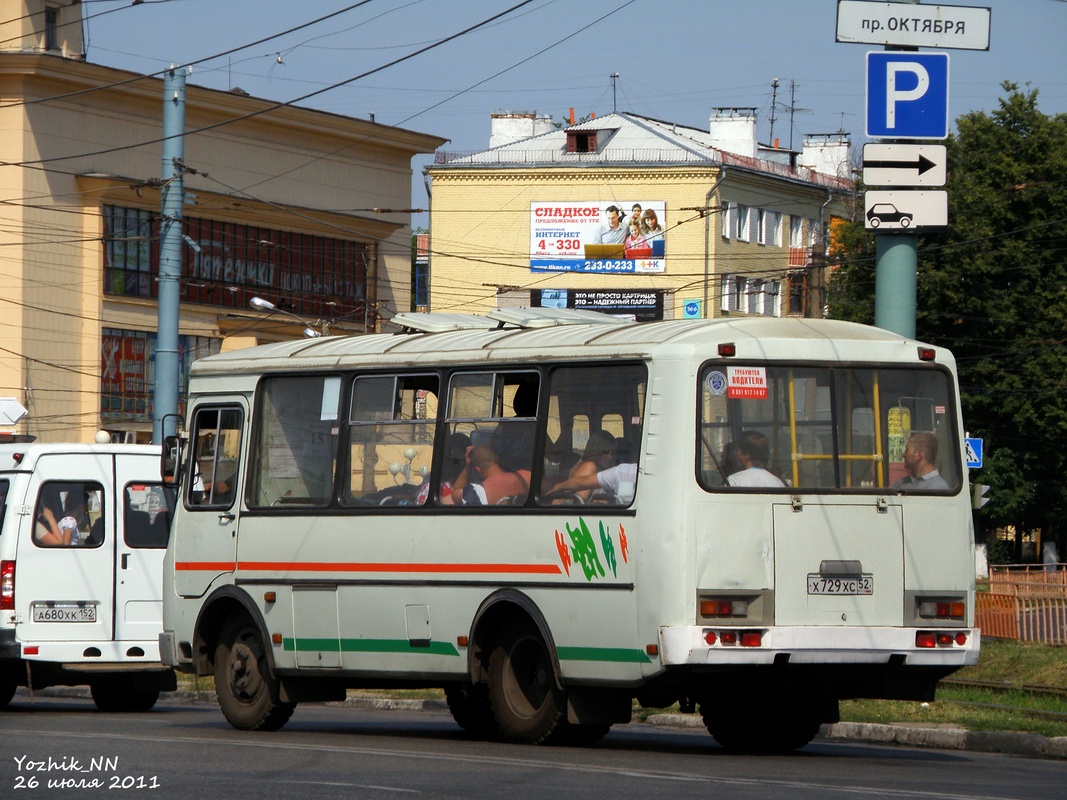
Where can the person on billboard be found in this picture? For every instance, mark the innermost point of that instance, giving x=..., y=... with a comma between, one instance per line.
x=635, y=239
x=611, y=231
x=651, y=227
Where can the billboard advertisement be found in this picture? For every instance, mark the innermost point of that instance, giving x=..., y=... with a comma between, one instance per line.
x=638, y=305
x=613, y=238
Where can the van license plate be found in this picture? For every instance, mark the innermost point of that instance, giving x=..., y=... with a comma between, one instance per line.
x=843, y=584
x=64, y=612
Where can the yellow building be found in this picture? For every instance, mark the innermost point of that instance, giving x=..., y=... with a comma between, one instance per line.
x=281, y=202
x=545, y=216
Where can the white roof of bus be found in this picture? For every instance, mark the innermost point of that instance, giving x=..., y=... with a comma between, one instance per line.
x=485, y=339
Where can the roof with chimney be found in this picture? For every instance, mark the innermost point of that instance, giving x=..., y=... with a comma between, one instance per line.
x=623, y=138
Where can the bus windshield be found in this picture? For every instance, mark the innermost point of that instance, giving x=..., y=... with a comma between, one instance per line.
x=820, y=428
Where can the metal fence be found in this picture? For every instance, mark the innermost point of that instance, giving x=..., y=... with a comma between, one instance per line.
x=1027, y=602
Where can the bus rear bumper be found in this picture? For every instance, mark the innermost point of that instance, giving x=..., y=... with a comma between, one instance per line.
x=708, y=645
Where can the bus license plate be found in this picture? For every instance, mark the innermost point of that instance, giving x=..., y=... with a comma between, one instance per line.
x=843, y=584
x=64, y=612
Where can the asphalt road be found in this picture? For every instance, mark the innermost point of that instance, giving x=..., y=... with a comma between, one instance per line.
x=64, y=748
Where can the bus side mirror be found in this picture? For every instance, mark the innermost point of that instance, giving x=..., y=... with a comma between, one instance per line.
x=170, y=466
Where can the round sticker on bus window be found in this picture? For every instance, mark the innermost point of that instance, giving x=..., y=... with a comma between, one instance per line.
x=715, y=383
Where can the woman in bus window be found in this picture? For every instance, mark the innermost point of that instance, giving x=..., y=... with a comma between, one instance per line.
x=49, y=511
x=599, y=454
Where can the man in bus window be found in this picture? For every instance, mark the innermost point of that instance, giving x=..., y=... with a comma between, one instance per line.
x=753, y=452
x=620, y=480
x=920, y=456
x=495, y=483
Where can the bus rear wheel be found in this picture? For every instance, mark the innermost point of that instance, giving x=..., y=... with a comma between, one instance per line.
x=248, y=693
x=760, y=728
x=527, y=704
x=112, y=697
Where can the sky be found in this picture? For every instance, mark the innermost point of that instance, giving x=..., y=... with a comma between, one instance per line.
x=415, y=64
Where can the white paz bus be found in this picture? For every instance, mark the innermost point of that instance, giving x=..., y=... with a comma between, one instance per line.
x=552, y=514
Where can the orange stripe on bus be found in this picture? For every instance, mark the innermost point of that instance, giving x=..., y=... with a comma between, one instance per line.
x=311, y=566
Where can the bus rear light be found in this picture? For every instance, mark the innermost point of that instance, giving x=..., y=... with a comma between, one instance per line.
x=961, y=639
x=710, y=637
x=751, y=638
x=31, y=650
x=925, y=639
x=723, y=607
x=7, y=585
x=942, y=609
x=728, y=637
x=927, y=354
x=727, y=349
x=945, y=639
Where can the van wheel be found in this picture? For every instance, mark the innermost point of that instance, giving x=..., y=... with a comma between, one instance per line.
x=112, y=697
x=526, y=702
x=8, y=685
x=248, y=693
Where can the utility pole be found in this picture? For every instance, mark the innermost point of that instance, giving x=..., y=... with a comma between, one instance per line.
x=614, y=77
x=165, y=405
x=774, y=106
x=896, y=270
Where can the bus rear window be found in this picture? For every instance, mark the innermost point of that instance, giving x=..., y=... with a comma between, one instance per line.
x=804, y=428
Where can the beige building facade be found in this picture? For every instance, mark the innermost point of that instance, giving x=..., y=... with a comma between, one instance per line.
x=280, y=203
x=736, y=232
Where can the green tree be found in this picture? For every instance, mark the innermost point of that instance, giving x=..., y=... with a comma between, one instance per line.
x=992, y=287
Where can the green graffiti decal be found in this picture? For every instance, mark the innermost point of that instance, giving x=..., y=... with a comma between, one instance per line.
x=609, y=549
x=583, y=549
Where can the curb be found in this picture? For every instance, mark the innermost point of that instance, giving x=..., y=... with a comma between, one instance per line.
x=934, y=736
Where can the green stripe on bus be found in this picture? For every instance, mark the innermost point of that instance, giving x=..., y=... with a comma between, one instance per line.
x=368, y=646
x=617, y=655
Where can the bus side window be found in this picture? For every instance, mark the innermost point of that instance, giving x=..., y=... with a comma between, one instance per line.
x=392, y=423
x=216, y=447
x=69, y=514
x=600, y=411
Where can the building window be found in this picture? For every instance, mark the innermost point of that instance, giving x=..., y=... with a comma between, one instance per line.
x=581, y=141
x=742, y=233
x=311, y=276
x=751, y=295
x=51, y=29
x=769, y=227
x=796, y=232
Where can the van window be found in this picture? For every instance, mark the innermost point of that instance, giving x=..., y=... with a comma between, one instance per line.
x=147, y=510
x=69, y=514
x=3, y=502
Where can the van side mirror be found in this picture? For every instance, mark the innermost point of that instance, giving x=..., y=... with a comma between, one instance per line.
x=170, y=466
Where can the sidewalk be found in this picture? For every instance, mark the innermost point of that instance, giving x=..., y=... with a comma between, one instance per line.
x=933, y=736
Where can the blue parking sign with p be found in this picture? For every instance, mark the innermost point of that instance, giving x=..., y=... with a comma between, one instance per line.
x=907, y=95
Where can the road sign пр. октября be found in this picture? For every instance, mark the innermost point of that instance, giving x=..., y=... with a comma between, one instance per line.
x=958, y=27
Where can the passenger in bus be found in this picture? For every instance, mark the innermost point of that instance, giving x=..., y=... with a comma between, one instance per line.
x=920, y=457
x=620, y=480
x=495, y=486
x=49, y=511
x=599, y=454
x=753, y=452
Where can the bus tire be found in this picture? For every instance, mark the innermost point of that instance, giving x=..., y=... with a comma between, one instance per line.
x=112, y=697
x=470, y=708
x=248, y=693
x=760, y=730
x=527, y=704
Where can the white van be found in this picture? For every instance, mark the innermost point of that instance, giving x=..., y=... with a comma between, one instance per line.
x=83, y=531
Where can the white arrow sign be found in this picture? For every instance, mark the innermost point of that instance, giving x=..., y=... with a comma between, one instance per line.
x=899, y=211
x=904, y=164
x=11, y=411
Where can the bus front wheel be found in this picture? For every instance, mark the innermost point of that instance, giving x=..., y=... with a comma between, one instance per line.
x=527, y=704
x=248, y=693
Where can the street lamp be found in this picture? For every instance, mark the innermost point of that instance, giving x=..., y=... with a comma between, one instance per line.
x=259, y=304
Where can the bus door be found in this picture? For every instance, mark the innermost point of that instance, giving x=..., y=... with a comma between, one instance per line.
x=205, y=544
x=65, y=573
x=144, y=515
